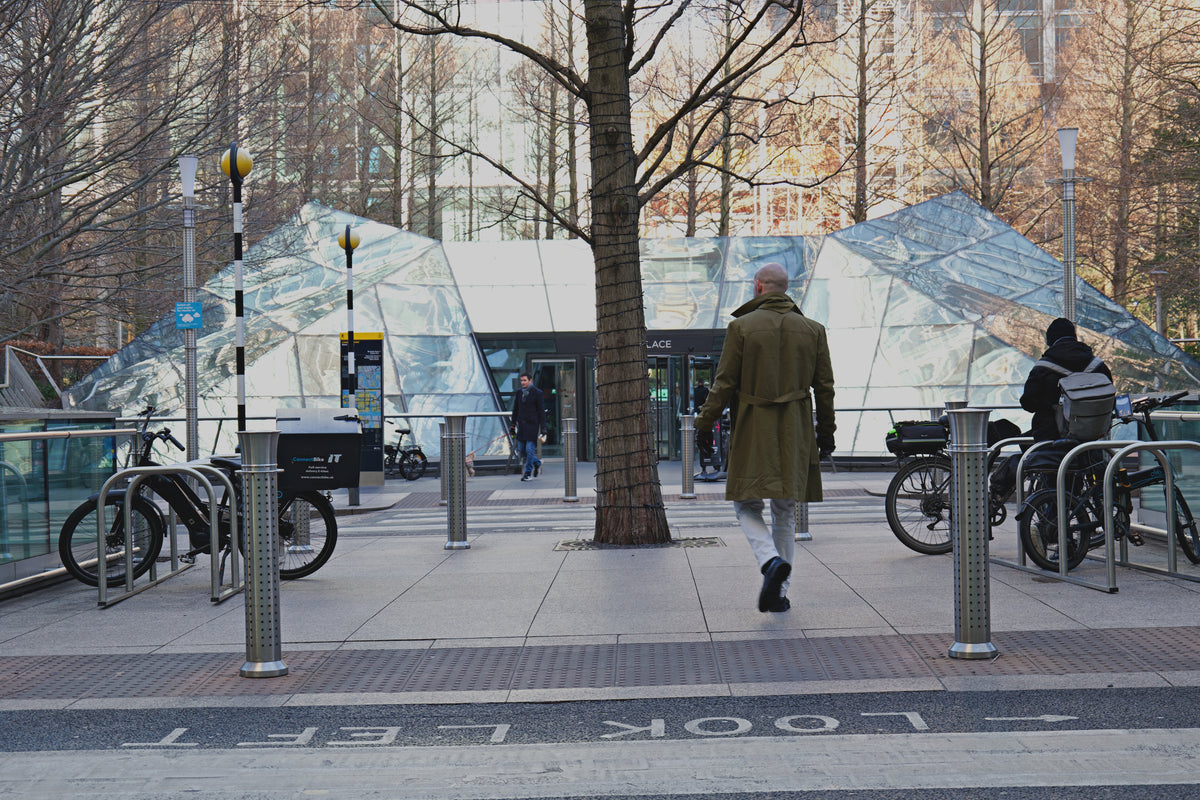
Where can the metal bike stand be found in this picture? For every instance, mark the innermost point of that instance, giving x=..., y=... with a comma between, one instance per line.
x=687, y=433
x=570, y=492
x=453, y=453
x=969, y=527
x=137, y=475
x=260, y=498
x=1021, y=563
x=1158, y=449
x=216, y=593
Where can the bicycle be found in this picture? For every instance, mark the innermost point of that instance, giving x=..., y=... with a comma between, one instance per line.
x=409, y=461
x=917, y=501
x=307, y=525
x=1038, y=518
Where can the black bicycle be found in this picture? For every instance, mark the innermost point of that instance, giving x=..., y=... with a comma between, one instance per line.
x=1038, y=518
x=409, y=461
x=307, y=525
x=918, y=497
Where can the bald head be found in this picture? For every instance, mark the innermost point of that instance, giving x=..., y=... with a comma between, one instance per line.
x=770, y=278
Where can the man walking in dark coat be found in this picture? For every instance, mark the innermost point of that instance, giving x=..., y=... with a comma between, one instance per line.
x=528, y=423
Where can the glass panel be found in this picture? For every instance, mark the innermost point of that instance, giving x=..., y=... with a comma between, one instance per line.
x=420, y=310
x=442, y=364
x=572, y=307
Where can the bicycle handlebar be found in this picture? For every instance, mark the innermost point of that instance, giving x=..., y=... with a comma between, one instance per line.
x=1148, y=404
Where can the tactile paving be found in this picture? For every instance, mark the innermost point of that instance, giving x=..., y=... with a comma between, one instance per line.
x=866, y=657
x=566, y=666
x=364, y=671
x=768, y=661
x=461, y=669
x=666, y=664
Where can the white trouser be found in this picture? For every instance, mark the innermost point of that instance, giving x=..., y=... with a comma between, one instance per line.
x=778, y=540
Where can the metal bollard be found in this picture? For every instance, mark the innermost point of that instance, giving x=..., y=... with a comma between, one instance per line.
x=570, y=491
x=442, y=470
x=260, y=500
x=687, y=431
x=969, y=532
x=802, y=534
x=454, y=453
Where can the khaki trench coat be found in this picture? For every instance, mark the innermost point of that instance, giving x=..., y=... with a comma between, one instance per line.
x=772, y=355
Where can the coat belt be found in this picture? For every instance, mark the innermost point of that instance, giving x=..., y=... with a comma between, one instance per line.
x=751, y=400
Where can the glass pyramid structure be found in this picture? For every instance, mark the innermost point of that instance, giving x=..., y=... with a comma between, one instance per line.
x=938, y=302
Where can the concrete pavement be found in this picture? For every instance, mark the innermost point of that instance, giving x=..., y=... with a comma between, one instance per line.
x=532, y=611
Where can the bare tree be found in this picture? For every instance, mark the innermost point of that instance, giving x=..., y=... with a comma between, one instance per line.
x=980, y=105
x=1134, y=62
x=623, y=38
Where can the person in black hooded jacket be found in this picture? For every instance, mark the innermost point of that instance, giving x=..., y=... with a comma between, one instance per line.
x=1041, y=388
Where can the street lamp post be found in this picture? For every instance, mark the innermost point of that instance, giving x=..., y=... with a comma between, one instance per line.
x=348, y=241
x=236, y=164
x=1160, y=325
x=1066, y=141
x=187, y=173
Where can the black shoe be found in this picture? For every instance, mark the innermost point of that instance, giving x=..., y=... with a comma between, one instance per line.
x=526, y=478
x=775, y=572
x=780, y=604
x=537, y=470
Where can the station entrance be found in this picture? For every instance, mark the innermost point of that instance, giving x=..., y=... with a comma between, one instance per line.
x=563, y=366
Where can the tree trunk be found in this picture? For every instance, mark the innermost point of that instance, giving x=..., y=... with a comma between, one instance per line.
x=629, y=507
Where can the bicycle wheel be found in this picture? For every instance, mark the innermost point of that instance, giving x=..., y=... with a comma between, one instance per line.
x=918, y=505
x=1038, y=529
x=307, y=533
x=391, y=462
x=413, y=464
x=1185, y=529
x=77, y=540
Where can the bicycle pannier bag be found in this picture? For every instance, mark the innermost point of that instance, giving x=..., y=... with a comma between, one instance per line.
x=1086, y=400
x=916, y=437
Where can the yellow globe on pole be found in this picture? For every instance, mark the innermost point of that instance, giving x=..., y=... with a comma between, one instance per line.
x=244, y=163
x=354, y=240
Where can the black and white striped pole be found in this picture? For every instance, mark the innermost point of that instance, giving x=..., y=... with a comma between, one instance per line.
x=236, y=164
x=348, y=240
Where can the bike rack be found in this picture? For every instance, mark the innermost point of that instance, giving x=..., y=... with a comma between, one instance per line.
x=138, y=474
x=1022, y=562
x=1110, y=556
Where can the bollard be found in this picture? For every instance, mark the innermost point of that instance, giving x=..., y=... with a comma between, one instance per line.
x=260, y=501
x=687, y=432
x=442, y=468
x=454, y=453
x=969, y=529
x=570, y=492
x=802, y=534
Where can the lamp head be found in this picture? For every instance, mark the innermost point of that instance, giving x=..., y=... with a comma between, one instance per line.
x=348, y=240
x=1066, y=141
x=187, y=174
x=244, y=162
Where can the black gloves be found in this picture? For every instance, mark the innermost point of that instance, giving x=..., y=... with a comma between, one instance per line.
x=825, y=445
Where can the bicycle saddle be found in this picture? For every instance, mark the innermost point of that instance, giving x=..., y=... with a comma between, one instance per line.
x=226, y=462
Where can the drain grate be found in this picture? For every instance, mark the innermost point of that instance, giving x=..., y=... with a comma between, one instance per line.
x=687, y=541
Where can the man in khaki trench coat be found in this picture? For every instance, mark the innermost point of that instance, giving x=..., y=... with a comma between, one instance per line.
x=772, y=355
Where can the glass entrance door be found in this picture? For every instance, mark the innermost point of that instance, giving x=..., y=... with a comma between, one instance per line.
x=666, y=399
x=556, y=379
